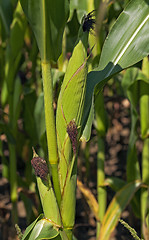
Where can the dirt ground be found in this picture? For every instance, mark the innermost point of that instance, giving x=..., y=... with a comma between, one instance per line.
x=116, y=144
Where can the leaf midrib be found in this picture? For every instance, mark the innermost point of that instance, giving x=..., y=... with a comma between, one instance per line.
x=119, y=56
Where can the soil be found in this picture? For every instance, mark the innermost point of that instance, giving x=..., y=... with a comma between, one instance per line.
x=116, y=144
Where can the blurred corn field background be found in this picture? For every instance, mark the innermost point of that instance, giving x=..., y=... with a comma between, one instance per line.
x=103, y=122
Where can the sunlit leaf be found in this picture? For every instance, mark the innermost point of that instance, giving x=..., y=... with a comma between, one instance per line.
x=30, y=227
x=43, y=230
x=126, y=44
x=118, y=204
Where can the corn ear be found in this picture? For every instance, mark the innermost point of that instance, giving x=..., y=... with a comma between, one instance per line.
x=70, y=102
x=47, y=196
x=68, y=126
x=68, y=202
x=70, y=107
x=49, y=203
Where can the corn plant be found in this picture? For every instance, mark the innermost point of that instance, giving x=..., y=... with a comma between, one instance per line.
x=56, y=176
x=135, y=83
x=12, y=92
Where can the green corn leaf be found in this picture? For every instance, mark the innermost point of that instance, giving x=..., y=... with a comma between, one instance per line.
x=74, y=238
x=56, y=76
x=13, y=52
x=126, y=44
x=8, y=131
x=16, y=101
x=39, y=116
x=30, y=228
x=131, y=87
x=131, y=83
x=28, y=106
x=127, y=47
x=43, y=229
x=6, y=14
x=118, y=204
x=47, y=19
x=80, y=6
x=115, y=183
x=132, y=158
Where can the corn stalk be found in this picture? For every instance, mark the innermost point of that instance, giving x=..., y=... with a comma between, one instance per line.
x=74, y=104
